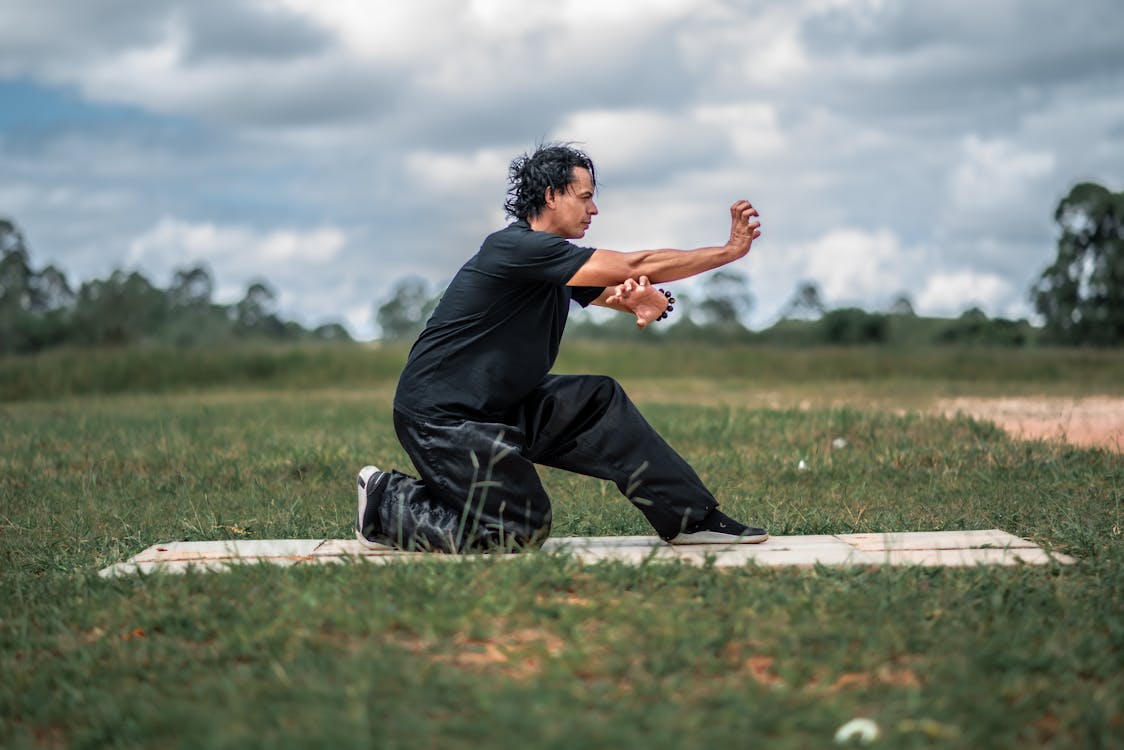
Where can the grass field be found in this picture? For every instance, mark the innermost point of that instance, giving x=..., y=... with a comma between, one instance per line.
x=105, y=454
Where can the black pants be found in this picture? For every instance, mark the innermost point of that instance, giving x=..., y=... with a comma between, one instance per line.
x=478, y=488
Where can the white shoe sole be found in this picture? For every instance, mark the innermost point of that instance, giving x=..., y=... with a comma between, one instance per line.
x=369, y=544
x=713, y=537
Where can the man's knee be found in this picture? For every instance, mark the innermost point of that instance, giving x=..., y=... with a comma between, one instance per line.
x=607, y=388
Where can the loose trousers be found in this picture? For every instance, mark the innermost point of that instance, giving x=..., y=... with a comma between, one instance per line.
x=477, y=487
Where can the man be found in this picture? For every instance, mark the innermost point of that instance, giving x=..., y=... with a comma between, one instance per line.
x=476, y=407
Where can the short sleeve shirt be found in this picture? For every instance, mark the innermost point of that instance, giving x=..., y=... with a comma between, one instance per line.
x=496, y=331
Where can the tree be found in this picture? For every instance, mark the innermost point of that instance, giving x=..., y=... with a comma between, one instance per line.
x=725, y=300
x=34, y=305
x=122, y=309
x=255, y=313
x=331, y=332
x=902, y=305
x=49, y=291
x=805, y=302
x=15, y=276
x=404, y=313
x=1081, y=296
x=39, y=309
x=193, y=318
x=191, y=287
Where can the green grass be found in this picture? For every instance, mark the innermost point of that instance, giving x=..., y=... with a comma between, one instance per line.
x=538, y=650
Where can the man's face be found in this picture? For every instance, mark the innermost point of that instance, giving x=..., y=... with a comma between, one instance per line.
x=569, y=213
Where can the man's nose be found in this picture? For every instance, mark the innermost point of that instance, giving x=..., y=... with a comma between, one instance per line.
x=592, y=208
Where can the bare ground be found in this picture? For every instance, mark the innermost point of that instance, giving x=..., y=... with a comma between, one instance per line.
x=1091, y=421
x=1095, y=421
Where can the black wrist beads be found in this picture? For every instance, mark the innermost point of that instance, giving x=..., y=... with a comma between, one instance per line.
x=670, y=302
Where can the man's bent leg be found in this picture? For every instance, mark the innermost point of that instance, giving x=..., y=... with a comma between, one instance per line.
x=587, y=424
x=476, y=490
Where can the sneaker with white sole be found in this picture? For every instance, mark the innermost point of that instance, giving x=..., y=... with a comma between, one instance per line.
x=371, y=484
x=719, y=528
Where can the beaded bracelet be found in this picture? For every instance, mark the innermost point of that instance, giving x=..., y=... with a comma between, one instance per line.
x=670, y=303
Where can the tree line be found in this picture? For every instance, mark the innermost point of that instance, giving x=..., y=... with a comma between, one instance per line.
x=40, y=309
x=1080, y=298
x=714, y=314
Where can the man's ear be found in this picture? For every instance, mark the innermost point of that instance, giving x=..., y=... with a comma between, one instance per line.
x=550, y=197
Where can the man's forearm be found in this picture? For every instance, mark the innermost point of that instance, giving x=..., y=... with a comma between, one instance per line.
x=609, y=267
x=603, y=300
x=672, y=265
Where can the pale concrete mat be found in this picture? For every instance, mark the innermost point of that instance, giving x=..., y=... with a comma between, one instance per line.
x=948, y=548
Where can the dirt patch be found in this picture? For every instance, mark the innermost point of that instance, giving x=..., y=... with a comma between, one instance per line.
x=517, y=653
x=1090, y=421
x=1096, y=421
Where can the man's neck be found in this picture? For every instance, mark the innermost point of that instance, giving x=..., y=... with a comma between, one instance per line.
x=542, y=224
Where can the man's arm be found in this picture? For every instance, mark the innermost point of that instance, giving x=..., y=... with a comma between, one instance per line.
x=639, y=298
x=609, y=267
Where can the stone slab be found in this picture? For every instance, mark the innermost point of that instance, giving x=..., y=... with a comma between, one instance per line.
x=229, y=549
x=921, y=540
x=930, y=548
x=972, y=557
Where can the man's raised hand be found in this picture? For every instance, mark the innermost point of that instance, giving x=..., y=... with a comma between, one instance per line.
x=744, y=227
x=641, y=298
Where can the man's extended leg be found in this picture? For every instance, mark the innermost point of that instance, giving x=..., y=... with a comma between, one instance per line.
x=587, y=424
x=476, y=490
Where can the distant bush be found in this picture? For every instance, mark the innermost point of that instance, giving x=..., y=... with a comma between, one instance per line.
x=974, y=327
x=850, y=325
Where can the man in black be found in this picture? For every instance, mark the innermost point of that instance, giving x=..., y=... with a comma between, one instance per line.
x=476, y=407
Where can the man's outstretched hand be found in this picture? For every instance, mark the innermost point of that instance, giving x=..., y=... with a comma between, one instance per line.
x=640, y=298
x=745, y=227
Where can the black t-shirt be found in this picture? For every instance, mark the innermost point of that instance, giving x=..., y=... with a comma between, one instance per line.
x=496, y=331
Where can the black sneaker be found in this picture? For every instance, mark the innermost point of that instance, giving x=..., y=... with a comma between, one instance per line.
x=372, y=483
x=719, y=528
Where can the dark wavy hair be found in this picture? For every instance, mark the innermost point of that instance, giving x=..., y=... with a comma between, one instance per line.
x=551, y=165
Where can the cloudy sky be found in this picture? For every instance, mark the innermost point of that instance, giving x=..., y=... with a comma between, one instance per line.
x=332, y=147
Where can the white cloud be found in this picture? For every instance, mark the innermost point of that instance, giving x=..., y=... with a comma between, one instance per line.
x=317, y=246
x=304, y=91
x=751, y=128
x=994, y=180
x=455, y=172
x=383, y=31
x=852, y=265
x=580, y=13
x=391, y=30
x=241, y=251
x=950, y=292
x=643, y=142
x=301, y=265
x=635, y=218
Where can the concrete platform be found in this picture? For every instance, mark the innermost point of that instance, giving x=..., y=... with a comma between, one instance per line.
x=947, y=548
